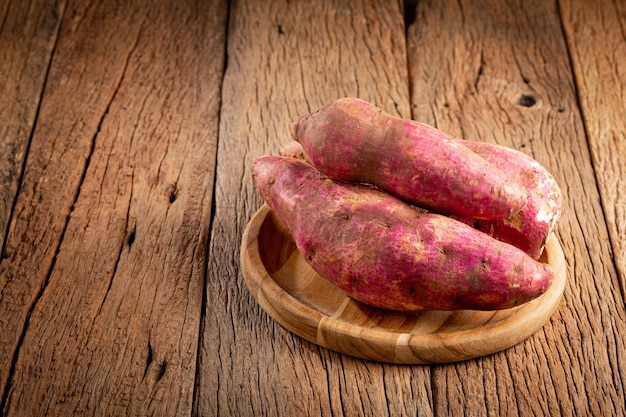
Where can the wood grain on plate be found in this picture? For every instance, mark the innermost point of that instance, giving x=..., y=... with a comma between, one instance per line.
x=308, y=305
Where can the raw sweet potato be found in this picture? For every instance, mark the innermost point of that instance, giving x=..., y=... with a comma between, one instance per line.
x=294, y=150
x=352, y=140
x=527, y=229
x=386, y=253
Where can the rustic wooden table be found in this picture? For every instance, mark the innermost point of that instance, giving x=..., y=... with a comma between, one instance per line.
x=127, y=131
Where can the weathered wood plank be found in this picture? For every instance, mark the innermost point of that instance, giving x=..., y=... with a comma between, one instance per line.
x=112, y=219
x=27, y=38
x=499, y=72
x=596, y=34
x=284, y=60
x=28, y=33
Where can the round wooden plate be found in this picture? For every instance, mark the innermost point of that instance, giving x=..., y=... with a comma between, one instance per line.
x=299, y=299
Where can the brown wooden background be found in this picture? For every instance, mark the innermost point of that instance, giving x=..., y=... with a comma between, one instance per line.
x=127, y=130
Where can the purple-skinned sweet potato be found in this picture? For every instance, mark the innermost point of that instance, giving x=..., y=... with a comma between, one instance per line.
x=352, y=140
x=527, y=229
x=389, y=254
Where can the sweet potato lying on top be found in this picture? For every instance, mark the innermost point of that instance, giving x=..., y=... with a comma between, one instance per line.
x=352, y=140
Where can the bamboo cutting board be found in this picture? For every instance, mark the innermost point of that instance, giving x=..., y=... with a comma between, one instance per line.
x=299, y=299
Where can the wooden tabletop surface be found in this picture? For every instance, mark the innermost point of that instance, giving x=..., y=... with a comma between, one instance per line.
x=127, y=133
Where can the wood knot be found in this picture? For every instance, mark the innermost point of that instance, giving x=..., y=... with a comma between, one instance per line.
x=527, y=100
x=172, y=193
x=130, y=239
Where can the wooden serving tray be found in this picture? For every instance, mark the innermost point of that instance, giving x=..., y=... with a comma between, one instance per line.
x=299, y=299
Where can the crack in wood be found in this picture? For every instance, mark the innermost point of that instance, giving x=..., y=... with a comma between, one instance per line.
x=149, y=360
x=479, y=73
x=159, y=366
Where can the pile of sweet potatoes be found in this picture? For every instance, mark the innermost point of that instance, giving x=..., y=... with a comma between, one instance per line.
x=401, y=216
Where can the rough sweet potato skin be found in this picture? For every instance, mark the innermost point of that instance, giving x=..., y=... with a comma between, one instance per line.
x=351, y=140
x=529, y=228
x=385, y=253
